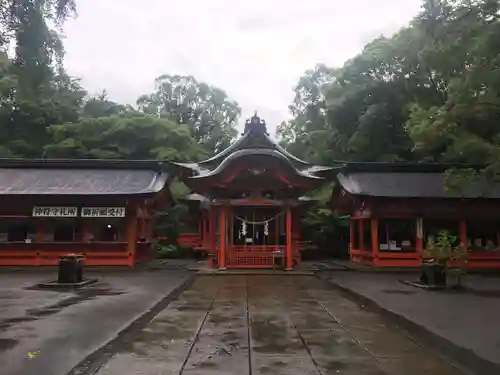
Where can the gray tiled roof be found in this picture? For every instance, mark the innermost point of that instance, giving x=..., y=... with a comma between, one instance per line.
x=79, y=178
x=411, y=185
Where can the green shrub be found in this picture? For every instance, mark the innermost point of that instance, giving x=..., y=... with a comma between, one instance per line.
x=165, y=250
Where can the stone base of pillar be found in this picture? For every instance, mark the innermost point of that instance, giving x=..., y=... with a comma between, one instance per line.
x=289, y=269
x=222, y=268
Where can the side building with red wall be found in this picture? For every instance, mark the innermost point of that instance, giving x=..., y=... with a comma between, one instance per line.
x=396, y=209
x=101, y=209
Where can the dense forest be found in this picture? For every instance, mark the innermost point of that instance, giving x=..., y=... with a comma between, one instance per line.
x=429, y=93
x=46, y=113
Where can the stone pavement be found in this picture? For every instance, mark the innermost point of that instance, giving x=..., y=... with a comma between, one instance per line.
x=49, y=332
x=466, y=323
x=275, y=325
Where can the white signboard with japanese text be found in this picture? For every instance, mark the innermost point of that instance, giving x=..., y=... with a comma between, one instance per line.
x=55, y=211
x=103, y=212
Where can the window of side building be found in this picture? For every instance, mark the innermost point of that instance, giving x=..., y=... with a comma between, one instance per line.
x=21, y=230
x=483, y=235
x=397, y=234
x=107, y=229
x=62, y=230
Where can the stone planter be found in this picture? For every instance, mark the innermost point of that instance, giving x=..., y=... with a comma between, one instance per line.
x=433, y=274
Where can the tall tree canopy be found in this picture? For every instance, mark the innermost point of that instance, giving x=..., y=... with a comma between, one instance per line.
x=127, y=135
x=206, y=110
x=308, y=110
x=35, y=91
x=430, y=92
x=46, y=113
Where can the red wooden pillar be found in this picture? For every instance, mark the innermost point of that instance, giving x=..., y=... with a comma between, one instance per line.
x=289, y=253
x=361, y=239
x=222, y=238
x=132, y=236
x=39, y=238
x=142, y=230
x=201, y=226
x=420, y=238
x=463, y=233
x=351, y=237
x=277, y=222
x=212, y=227
x=202, y=229
x=39, y=230
x=85, y=230
x=231, y=227
x=375, y=242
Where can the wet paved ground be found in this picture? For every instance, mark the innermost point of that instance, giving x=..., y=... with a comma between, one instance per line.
x=48, y=332
x=468, y=319
x=274, y=325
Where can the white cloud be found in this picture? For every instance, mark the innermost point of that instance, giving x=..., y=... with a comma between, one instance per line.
x=255, y=50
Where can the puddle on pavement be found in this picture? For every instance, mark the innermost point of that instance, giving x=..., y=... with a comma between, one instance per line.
x=291, y=332
x=395, y=291
x=483, y=293
x=269, y=337
x=77, y=296
x=354, y=367
x=6, y=344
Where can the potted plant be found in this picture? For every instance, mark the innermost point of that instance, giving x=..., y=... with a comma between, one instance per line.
x=443, y=258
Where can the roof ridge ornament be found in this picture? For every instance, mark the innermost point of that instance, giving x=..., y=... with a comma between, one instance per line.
x=256, y=125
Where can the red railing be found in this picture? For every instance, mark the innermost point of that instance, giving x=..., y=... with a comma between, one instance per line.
x=252, y=256
x=48, y=253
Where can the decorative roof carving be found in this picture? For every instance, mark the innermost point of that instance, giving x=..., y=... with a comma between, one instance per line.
x=255, y=124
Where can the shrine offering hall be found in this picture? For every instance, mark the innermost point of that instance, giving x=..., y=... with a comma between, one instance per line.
x=247, y=203
x=249, y=200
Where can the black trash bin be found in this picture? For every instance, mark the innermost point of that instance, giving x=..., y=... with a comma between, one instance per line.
x=70, y=269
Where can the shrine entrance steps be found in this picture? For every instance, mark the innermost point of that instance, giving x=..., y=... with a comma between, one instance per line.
x=249, y=271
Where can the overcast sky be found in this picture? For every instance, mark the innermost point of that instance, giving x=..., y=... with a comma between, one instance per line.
x=254, y=50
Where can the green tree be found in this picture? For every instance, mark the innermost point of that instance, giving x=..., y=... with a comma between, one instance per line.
x=464, y=51
x=206, y=110
x=100, y=106
x=430, y=93
x=130, y=135
x=308, y=110
x=35, y=90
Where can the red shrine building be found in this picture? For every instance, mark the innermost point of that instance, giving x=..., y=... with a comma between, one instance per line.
x=396, y=209
x=250, y=199
x=99, y=209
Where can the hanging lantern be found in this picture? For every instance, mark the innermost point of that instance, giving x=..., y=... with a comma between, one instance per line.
x=266, y=228
x=244, y=228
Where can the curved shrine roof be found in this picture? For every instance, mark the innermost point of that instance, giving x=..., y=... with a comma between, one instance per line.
x=254, y=143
